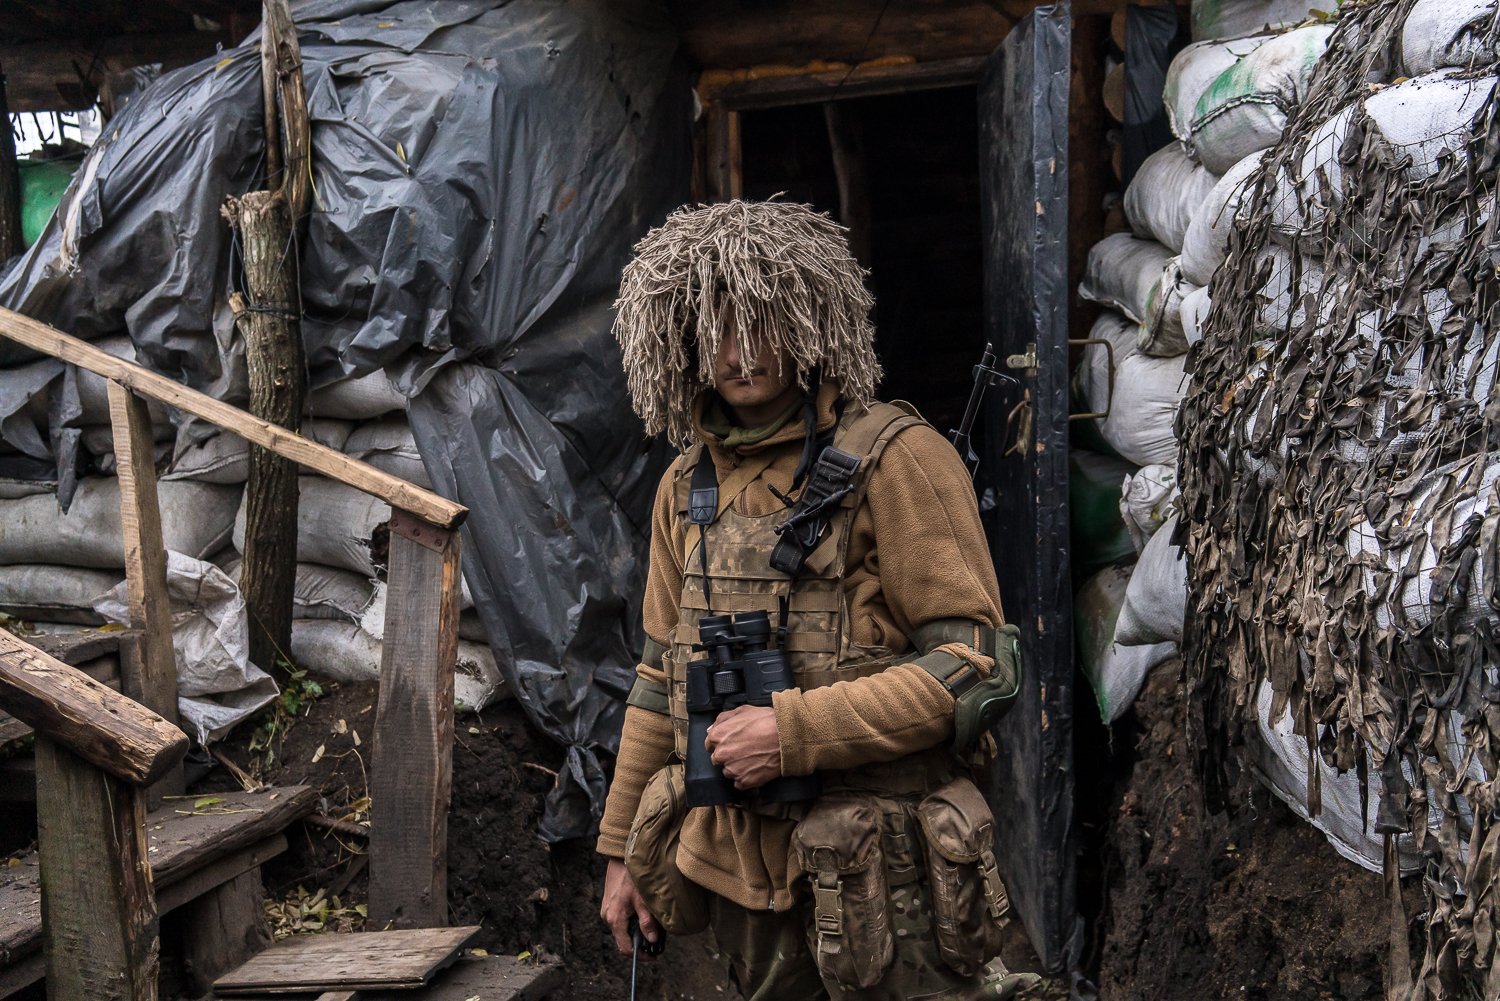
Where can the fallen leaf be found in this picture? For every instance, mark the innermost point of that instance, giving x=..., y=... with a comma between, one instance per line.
x=318, y=754
x=355, y=735
x=479, y=953
x=474, y=730
x=199, y=804
x=342, y=726
x=522, y=957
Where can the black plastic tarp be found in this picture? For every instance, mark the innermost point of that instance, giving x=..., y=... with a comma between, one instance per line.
x=480, y=171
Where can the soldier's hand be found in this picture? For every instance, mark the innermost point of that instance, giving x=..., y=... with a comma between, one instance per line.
x=622, y=902
x=745, y=743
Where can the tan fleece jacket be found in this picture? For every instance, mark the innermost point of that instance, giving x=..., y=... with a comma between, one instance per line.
x=917, y=553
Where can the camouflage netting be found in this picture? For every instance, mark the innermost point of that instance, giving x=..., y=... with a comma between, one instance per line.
x=1340, y=464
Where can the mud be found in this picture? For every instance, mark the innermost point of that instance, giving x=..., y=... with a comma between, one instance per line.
x=1248, y=904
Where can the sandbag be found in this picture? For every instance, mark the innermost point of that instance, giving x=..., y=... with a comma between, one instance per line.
x=47, y=593
x=1193, y=314
x=1115, y=672
x=217, y=686
x=1162, y=335
x=1234, y=18
x=1121, y=272
x=1156, y=598
x=93, y=390
x=345, y=652
x=1206, y=242
x=1246, y=107
x=1192, y=71
x=1293, y=286
x=1281, y=762
x=372, y=617
x=336, y=525
x=1440, y=33
x=387, y=444
x=225, y=457
x=12, y=488
x=320, y=592
x=1096, y=530
x=1147, y=392
x=196, y=519
x=366, y=398
x=1165, y=194
x=1147, y=499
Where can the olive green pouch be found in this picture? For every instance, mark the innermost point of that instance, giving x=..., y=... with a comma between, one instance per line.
x=969, y=902
x=679, y=904
x=838, y=846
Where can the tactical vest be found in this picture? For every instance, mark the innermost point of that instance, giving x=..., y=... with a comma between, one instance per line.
x=818, y=644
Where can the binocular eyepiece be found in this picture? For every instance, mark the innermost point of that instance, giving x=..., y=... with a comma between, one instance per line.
x=740, y=670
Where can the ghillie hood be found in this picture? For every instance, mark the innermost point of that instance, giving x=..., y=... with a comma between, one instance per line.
x=776, y=269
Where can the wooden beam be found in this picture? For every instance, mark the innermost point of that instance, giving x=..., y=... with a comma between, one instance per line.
x=94, y=722
x=224, y=929
x=66, y=75
x=99, y=925
x=319, y=458
x=413, y=754
x=11, y=242
x=847, y=145
x=288, y=131
x=782, y=89
x=723, y=153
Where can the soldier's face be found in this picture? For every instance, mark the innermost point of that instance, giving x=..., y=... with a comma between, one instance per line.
x=751, y=384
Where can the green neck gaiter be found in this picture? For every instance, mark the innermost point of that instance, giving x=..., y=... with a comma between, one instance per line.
x=716, y=422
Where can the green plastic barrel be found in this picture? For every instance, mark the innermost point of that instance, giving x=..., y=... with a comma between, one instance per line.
x=42, y=185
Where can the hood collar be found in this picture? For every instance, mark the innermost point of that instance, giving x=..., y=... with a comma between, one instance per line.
x=793, y=431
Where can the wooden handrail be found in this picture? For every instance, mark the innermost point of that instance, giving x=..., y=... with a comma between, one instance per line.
x=95, y=722
x=398, y=493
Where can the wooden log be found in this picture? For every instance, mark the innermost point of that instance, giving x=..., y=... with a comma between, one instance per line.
x=99, y=925
x=11, y=242
x=288, y=133
x=103, y=727
x=278, y=388
x=781, y=90
x=413, y=754
x=224, y=929
x=319, y=458
x=150, y=675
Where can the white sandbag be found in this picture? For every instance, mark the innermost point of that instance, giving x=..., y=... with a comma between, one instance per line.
x=1233, y=18
x=361, y=399
x=1246, y=107
x=1156, y=598
x=1121, y=273
x=372, y=617
x=196, y=519
x=1190, y=74
x=345, y=652
x=217, y=686
x=1162, y=335
x=1294, y=286
x=11, y=488
x=1440, y=33
x=1206, y=242
x=320, y=592
x=1165, y=194
x=48, y=593
x=1282, y=764
x=1193, y=314
x=388, y=445
x=1147, y=392
x=335, y=525
x=225, y=457
x=1115, y=673
x=1148, y=497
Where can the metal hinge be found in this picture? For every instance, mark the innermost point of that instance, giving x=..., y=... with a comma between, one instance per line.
x=1027, y=360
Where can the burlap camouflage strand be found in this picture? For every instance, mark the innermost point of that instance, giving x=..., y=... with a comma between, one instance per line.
x=1340, y=464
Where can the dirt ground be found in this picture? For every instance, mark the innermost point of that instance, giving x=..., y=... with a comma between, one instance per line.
x=1197, y=905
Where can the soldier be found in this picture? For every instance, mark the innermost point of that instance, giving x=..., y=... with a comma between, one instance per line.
x=746, y=335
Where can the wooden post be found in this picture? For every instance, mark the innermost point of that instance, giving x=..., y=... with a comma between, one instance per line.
x=150, y=678
x=267, y=222
x=412, y=770
x=226, y=927
x=725, y=169
x=11, y=242
x=99, y=921
x=847, y=145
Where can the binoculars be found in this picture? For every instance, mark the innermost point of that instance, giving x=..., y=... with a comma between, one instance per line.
x=738, y=671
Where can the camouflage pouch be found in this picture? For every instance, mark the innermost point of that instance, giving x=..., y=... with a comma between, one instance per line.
x=651, y=856
x=969, y=902
x=838, y=846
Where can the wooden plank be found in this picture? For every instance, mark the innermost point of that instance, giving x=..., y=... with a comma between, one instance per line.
x=21, y=974
x=145, y=555
x=412, y=770
x=105, y=670
x=491, y=978
x=224, y=928
x=75, y=648
x=98, y=915
x=100, y=725
x=781, y=90
x=11, y=242
x=189, y=888
x=319, y=458
x=360, y=961
x=185, y=838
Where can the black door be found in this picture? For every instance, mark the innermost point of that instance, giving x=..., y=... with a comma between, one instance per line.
x=1023, y=478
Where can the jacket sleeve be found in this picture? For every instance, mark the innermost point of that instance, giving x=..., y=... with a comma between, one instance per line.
x=929, y=560
x=646, y=739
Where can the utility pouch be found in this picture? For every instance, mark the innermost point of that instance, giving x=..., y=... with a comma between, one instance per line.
x=969, y=902
x=679, y=904
x=838, y=846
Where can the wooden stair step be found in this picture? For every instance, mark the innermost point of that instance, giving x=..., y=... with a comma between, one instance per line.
x=404, y=959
